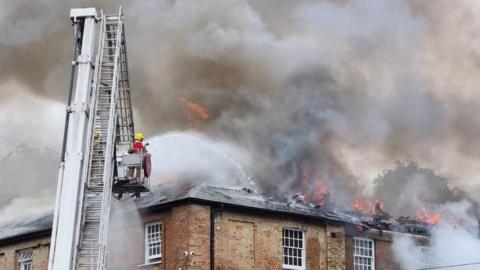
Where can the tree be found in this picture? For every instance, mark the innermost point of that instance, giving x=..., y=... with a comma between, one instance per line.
x=407, y=188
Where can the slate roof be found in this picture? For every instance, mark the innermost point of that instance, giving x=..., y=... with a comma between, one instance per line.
x=168, y=194
x=38, y=225
x=239, y=197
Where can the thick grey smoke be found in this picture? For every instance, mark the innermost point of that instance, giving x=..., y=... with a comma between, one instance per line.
x=316, y=92
x=347, y=88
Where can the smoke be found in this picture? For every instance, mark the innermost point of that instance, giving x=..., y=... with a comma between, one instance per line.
x=191, y=157
x=344, y=82
x=126, y=231
x=31, y=134
x=454, y=241
x=328, y=92
x=28, y=206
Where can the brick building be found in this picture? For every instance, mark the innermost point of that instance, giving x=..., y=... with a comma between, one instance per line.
x=203, y=227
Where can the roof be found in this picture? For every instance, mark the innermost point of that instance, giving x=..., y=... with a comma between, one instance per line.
x=167, y=195
x=238, y=197
x=32, y=226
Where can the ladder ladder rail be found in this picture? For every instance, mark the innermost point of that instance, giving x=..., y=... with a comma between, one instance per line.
x=97, y=194
x=125, y=110
x=91, y=129
x=111, y=136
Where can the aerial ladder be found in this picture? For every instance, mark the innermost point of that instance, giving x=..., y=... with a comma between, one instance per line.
x=96, y=163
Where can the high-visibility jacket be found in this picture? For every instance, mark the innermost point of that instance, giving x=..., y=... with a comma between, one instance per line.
x=138, y=146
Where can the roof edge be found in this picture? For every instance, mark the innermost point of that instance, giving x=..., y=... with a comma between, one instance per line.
x=26, y=236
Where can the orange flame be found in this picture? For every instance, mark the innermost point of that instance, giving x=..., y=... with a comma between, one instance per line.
x=358, y=206
x=320, y=194
x=424, y=216
x=195, y=112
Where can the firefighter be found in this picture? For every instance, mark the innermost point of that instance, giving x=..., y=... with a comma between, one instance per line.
x=96, y=134
x=137, y=148
x=138, y=145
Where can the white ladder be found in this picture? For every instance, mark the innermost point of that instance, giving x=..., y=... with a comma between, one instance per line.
x=109, y=74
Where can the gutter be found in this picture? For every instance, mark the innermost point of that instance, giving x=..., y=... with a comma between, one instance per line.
x=212, y=239
x=213, y=214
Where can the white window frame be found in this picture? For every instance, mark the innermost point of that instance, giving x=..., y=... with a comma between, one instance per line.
x=295, y=246
x=155, y=257
x=25, y=259
x=362, y=251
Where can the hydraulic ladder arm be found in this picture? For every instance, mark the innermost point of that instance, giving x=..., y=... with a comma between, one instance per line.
x=99, y=122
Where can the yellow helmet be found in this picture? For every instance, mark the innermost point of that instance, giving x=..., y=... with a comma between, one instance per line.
x=139, y=136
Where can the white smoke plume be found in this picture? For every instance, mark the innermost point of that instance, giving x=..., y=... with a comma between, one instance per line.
x=189, y=156
x=453, y=242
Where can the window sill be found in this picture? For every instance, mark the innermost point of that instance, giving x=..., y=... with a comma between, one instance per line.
x=149, y=264
x=290, y=267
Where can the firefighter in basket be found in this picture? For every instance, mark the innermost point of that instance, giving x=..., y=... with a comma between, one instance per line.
x=138, y=148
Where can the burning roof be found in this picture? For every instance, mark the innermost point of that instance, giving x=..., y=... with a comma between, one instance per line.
x=239, y=198
x=297, y=205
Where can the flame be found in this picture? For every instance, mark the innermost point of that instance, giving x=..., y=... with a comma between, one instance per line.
x=321, y=194
x=368, y=208
x=358, y=206
x=195, y=112
x=424, y=216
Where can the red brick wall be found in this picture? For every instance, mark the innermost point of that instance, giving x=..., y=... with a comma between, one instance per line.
x=243, y=238
x=184, y=228
x=189, y=231
x=335, y=247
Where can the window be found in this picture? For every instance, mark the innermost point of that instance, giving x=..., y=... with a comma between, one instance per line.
x=363, y=254
x=25, y=259
x=426, y=258
x=293, y=249
x=153, y=242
